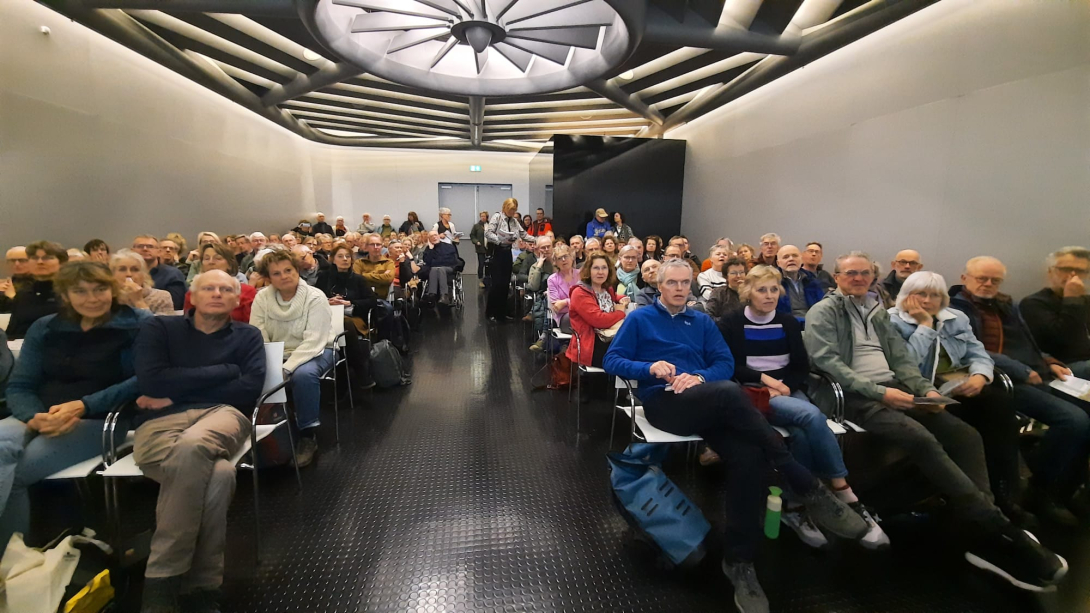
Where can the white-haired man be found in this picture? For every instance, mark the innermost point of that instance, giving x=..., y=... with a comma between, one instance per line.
x=769, y=250
x=257, y=243
x=199, y=375
x=367, y=226
x=320, y=226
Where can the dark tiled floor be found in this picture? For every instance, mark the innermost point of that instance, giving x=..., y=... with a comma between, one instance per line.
x=467, y=491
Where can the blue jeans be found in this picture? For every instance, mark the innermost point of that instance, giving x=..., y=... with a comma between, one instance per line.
x=811, y=441
x=1080, y=369
x=306, y=389
x=1068, y=436
x=27, y=457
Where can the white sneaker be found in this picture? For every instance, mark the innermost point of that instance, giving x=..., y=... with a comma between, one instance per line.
x=875, y=538
x=807, y=532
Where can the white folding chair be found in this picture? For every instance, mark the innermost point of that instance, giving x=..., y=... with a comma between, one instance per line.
x=577, y=372
x=273, y=392
x=340, y=356
x=641, y=429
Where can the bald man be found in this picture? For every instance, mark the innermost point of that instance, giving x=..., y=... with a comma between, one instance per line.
x=19, y=266
x=1059, y=464
x=906, y=262
x=801, y=288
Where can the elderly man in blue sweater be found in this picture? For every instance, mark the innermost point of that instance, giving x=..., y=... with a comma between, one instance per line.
x=197, y=373
x=684, y=368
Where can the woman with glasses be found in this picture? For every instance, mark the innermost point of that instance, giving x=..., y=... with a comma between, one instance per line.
x=561, y=281
x=75, y=367
x=36, y=300
x=942, y=342
x=594, y=307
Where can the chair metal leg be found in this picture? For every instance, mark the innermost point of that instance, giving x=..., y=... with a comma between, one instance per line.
x=257, y=495
x=348, y=382
x=336, y=404
x=578, y=399
x=291, y=441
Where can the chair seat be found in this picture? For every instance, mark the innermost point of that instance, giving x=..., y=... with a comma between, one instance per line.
x=591, y=369
x=557, y=334
x=84, y=469
x=652, y=434
x=126, y=466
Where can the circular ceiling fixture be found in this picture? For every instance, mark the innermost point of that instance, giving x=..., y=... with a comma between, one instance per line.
x=480, y=47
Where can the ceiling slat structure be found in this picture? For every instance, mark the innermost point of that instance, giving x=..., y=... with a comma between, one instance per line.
x=683, y=59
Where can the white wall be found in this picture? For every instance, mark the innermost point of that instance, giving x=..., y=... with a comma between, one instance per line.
x=97, y=141
x=959, y=131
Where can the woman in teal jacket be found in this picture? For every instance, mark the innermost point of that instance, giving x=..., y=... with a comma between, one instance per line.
x=943, y=344
x=74, y=368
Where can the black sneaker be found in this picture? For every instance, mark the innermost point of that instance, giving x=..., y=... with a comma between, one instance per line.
x=1045, y=506
x=832, y=514
x=161, y=595
x=305, y=450
x=748, y=595
x=201, y=601
x=1017, y=556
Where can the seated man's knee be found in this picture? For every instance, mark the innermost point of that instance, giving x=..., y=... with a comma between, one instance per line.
x=13, y=435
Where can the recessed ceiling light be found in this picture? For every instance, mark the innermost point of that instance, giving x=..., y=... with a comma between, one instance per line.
x=585, y=116
x=627, y=75
x=310, y=55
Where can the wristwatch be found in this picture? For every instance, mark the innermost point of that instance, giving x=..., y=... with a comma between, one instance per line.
x=701, y=377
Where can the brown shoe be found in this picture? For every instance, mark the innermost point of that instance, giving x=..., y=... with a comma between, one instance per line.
x=709, y=457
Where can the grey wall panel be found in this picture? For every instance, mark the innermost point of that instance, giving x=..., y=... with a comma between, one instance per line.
x=962, y=130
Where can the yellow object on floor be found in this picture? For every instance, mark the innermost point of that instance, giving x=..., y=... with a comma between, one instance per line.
x=93, y=597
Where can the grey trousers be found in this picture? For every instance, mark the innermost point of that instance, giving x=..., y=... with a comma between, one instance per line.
x=437, y=280
x=187, y=453
x=948, y=451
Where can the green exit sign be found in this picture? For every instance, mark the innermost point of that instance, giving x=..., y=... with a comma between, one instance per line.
x=474, y=168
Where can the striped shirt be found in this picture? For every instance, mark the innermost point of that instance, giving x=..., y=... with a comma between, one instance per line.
x=767, y=350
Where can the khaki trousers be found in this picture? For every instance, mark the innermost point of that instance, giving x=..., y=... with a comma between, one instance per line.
x=188, y=454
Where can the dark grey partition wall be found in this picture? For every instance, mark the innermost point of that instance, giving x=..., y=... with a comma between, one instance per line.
x=641, y=177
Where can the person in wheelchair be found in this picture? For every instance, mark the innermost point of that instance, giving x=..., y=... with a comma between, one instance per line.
x=769, y=354
x=942, y=342
x=441, y=258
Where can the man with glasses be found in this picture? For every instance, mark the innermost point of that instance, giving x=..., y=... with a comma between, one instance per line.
x=811, y=262
x=1060, y=460
x=684, y=370
x=904, y=264
x=1059, y=315
x=770, y=249
x=200, y=375
x=19, y=265
x=850, y=337
x=165, y=277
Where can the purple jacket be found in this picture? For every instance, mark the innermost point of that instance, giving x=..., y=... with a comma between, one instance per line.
x=559, y=289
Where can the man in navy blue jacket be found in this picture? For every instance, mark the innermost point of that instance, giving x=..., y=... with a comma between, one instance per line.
x=165, y=276
x=197, y=373
x=441, y=259
x=801, y=288
x=684, y=368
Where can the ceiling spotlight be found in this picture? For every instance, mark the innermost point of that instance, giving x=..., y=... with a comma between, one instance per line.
x=627, y=75
x=585, y=116
x=310, y=55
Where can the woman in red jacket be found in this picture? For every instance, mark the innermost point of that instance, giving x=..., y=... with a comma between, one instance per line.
x=594, y=306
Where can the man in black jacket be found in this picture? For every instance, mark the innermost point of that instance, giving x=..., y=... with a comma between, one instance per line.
x=1059, y=315
x=197, y=373
x=441, y=257
x=321, y=227
x=166, y=277
x=1059, y=461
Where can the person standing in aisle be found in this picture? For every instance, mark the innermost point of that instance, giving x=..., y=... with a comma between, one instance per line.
x=476, y=236
x=503, y=230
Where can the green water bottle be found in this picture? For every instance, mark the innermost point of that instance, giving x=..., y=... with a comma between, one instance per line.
x=772, y=512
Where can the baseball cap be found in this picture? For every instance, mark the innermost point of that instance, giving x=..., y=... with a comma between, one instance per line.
x=601, y=213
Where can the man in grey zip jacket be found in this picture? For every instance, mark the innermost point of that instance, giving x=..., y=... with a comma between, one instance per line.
x=849, y=336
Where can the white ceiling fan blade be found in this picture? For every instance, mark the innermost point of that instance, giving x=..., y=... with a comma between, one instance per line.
x=497, y=8
x=396, y=6
x=444, y=51
x=549, y=51
x=587, y=14
x=416, y=37
x=480, y=59
x=516, y=56
x=528, y=10
x=585, y=36
x=388, y=22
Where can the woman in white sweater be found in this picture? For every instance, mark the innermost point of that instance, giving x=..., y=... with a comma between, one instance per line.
x=291, y=311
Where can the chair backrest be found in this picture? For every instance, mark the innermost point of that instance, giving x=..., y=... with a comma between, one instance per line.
x=565, y=324
x=4, y=319
x=274, y=371
x=338, y=322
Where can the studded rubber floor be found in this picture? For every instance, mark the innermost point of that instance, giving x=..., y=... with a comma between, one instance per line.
x=469, y=492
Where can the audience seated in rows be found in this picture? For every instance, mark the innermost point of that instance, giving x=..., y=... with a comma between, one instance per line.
x=19, y=265
x=722, y=242
x=412, y=224
x=941, y=341
x=199, y=376
x=597, y=227
x=769, y=354
x=135, y=285
x=770, y=249
x=578, y=256
x=293, y=312
x=345, y=288
x=594, y=306
x=1059, y=315
x=366, y=226
x=811, y=262
x=746, y=254
x=713, y=276
x=906, y=262
x=849, y=336
x=560, y=283
x=97, y=250
x=628, y=272
x=376, y=269
x=36, y=298
x=194, y=258
x=683, y=368
x=75, y=366
x=1059, y=462
x=537, y=284
x=653, y=248
x=801, y=289
x=320, y=226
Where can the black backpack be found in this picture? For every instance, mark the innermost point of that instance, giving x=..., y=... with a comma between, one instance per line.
x=387, y=367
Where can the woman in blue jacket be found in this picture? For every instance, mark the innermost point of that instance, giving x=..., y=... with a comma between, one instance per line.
x=74, y=368
x=942, y=341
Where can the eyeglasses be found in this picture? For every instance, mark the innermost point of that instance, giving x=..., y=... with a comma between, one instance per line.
x=987, y=280
x=42, y=258
x=851, y=274
x=908, y=263
x=148, y=246
x=1068, y=270
x=18, y=260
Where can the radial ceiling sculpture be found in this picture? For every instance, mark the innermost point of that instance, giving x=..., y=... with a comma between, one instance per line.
x=482, y=47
